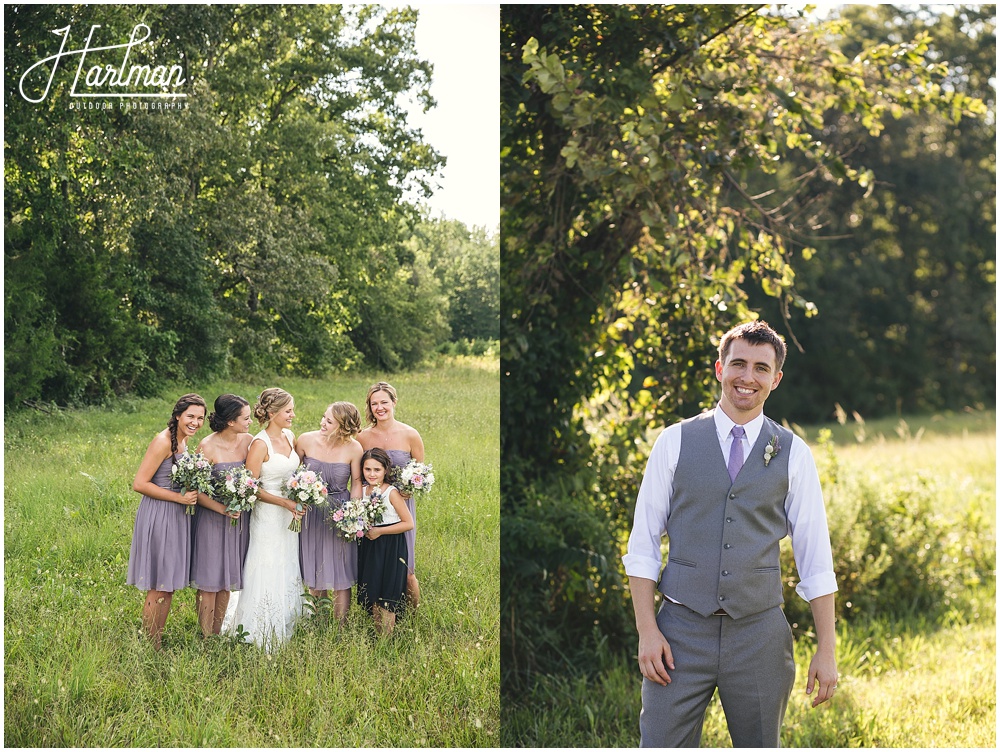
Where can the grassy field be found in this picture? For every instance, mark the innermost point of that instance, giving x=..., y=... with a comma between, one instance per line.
x=78, y=672
x=916, y=681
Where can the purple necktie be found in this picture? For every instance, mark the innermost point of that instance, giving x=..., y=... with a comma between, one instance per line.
x=736, y=452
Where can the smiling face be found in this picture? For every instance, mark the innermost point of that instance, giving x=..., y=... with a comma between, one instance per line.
x=748, y=376
x=328, y=425
x=373, y=471
x=190, y=421
x=381, y=405
x=284, y=416
x=242, y=423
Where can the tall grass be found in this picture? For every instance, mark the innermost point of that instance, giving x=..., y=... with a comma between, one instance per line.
x=917, y=678
x=78, y=671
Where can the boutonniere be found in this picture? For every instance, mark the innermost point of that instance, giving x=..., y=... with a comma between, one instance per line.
x=771, y=450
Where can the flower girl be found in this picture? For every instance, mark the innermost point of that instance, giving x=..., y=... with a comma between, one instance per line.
x=382, y=552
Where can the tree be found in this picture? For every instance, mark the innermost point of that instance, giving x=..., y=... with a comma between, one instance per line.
x=467, y=264
x=70, y=335
x=627, y=241
x=249, y=230
x=906, y=284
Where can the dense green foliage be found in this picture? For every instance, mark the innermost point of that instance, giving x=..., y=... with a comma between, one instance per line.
x=79, y=672
x=261, y=229
x=467, y=264
x=906, y=540
x=905, y=286
x=632, y=139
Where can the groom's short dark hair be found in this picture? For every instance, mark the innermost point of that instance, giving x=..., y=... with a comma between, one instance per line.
x=756, y=333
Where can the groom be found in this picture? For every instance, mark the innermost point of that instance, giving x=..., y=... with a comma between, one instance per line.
x=725, y=487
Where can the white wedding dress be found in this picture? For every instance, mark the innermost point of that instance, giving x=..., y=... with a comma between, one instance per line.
x=271, y=600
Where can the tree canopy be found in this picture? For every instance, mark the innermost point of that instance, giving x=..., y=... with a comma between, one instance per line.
x=261, y=228
x=632, y=140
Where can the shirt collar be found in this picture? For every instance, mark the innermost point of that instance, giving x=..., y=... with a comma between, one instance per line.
x=724, y=424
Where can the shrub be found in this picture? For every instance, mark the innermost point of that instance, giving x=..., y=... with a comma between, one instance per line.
x=562, y=593
x=895, y=551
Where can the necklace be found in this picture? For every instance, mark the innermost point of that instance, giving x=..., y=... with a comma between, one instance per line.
x=229, y=449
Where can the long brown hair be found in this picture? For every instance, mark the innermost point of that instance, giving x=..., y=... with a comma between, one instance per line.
x=182, y=404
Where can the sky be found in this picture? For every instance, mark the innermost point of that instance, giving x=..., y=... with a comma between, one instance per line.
x=463, y=44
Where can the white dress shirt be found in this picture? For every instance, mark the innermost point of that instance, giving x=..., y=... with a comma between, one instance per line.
x=803, y=508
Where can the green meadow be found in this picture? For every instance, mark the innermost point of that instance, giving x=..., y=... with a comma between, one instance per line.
x=78, y=672
x=917, y=665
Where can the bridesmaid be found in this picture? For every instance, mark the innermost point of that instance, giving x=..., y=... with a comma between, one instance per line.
x=328, y=561
x=219, y=547
x=159, y=561
x=403, y=443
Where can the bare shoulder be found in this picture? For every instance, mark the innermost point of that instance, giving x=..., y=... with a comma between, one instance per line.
x=366, y=438
x=258, y=448
x=160, y=444
x=207, y=446
x=306, y=439
x=157, y=451
x=408, y=431
x=355, y=448
x=414, y=444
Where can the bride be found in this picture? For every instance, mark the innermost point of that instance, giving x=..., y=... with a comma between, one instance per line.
x=271, y=600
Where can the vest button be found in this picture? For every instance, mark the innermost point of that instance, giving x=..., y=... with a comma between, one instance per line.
x=729, y=519
x=732, y=496
x=725, y=572
x=722, y=597
x=727, y=546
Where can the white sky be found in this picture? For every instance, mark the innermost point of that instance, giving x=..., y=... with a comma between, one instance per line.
x=463, y=44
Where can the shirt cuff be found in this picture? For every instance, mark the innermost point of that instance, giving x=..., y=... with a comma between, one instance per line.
x=820, y=584
x=637, y=565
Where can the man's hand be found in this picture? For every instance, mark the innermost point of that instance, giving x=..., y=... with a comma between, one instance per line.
x=822, y=672
x=823, y=667
x=654, y=650
x=655, y=656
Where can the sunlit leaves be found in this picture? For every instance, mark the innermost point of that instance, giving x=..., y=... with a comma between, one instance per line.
x=630, y=234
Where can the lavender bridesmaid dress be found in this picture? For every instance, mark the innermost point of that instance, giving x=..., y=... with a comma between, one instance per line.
x=217, y=546
x=160, y=556
x=328, y=561
x=399, y=459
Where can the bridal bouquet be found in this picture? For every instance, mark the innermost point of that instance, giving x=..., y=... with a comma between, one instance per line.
x=354, y=517
x=193, y=472
x=237, y=489
x=306, y=488
x=415, y=479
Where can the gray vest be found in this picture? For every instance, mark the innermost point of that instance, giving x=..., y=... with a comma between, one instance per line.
x=723, y=534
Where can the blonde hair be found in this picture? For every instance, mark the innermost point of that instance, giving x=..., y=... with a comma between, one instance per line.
x=269, y=402
x=348, y=420
x=379, y=386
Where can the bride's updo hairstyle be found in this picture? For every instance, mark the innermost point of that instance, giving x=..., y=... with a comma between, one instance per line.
x=227, y=409
x=268, y=403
